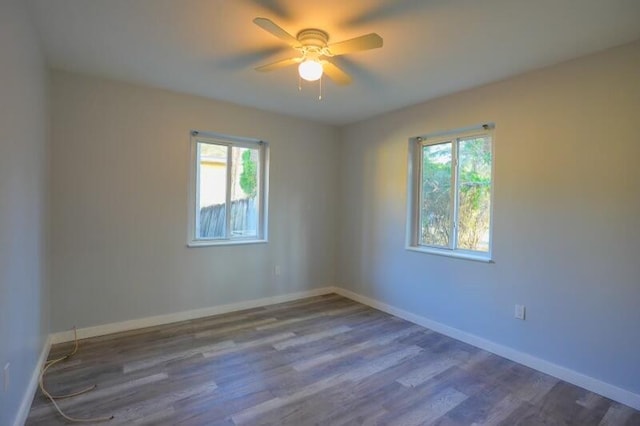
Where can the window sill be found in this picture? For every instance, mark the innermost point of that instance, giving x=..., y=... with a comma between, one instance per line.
x=214, y=243
x=450, y=253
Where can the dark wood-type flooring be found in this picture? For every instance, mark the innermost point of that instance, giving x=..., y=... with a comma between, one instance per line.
x=324, y=360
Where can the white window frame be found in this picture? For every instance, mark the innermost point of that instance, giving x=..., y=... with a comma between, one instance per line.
x=414, y=191
x=194, y=189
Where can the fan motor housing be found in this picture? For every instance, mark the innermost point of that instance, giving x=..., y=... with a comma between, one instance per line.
x=313, y=37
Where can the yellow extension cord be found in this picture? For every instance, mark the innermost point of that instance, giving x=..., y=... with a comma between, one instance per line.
x=53, y=398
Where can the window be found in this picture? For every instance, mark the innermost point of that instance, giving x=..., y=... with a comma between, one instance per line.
x=228, y=194
x=450, y=193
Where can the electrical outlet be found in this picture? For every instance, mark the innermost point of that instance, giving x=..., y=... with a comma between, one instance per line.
x=520, y=312
x=276, y=270
x=5, y=376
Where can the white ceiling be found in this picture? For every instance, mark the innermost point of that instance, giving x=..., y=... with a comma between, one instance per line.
x=431, y=47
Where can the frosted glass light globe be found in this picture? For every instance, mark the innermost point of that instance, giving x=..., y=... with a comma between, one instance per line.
x=310, y=70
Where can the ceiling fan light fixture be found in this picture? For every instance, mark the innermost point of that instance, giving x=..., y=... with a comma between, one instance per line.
x=310, y=70
x=315, y=53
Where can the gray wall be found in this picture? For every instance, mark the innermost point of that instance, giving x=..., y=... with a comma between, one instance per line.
x=120, y=181
x=567, y=216
x=24, y=301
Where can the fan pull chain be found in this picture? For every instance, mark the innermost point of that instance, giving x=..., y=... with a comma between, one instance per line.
x=299, y=83
x=320, y=94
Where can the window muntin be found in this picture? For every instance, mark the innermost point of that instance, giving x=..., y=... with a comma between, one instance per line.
x=451, y=193
x=229, y=187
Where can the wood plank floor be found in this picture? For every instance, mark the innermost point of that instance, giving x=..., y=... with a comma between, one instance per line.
x=325, y=360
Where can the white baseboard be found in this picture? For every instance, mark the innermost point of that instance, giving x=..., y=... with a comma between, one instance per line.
x=101, y=330
x=587, y=382
x=25, y=405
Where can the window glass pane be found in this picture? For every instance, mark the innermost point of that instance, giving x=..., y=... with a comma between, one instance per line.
x=244, y=192
x=435, y=197
x=211, y=209
x=474, y=198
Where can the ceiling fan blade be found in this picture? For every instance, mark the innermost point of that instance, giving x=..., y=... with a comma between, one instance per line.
x=336, y=74
x=365, y=42
x=250, y=57
x=269, y=26
x=279, y=64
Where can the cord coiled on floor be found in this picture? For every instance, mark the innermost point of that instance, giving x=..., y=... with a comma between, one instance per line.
x=53, y=398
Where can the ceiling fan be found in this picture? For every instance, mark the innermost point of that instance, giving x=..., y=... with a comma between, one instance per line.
x=315, y=53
